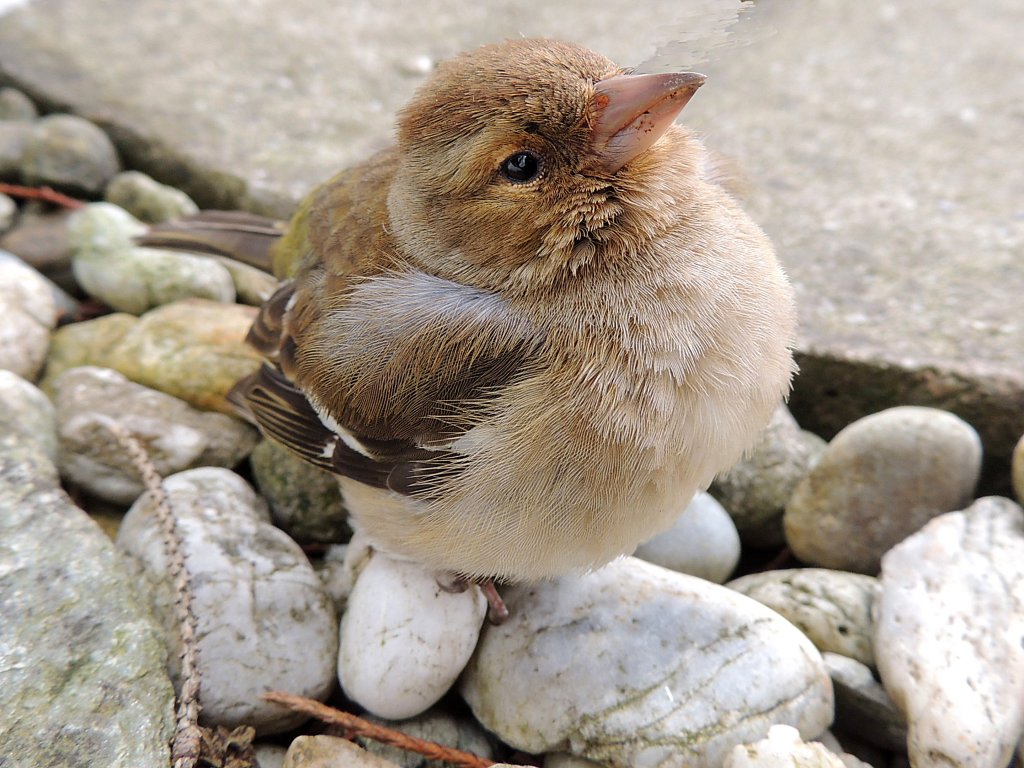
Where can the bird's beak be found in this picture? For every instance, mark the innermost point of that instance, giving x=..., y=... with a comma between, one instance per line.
x=631, y=112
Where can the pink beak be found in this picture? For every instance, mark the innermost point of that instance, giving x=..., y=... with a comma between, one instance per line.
x=631, y=112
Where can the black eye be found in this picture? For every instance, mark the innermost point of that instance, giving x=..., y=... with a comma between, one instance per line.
x=521, y=167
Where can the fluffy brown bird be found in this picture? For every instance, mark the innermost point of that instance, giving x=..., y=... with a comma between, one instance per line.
x=529, y=332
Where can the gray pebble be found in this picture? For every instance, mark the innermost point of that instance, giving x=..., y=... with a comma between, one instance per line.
x=147, y=199
x=756, y=489
x=879, y=480
x=863, y=708
x=438, y=727
x=15, y=105
x=14, y=140
x=176, y=435
x=263, y=619
x=41, y=241
x=25, y=410
x=70, y=153
x=29, y=315
x=703, y=542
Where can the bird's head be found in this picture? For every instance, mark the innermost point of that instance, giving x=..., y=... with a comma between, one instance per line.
x=525, y=158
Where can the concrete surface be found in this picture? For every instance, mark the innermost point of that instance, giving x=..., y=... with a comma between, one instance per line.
x=879, y=141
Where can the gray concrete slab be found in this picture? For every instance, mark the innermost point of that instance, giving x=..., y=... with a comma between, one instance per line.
x=879, y=141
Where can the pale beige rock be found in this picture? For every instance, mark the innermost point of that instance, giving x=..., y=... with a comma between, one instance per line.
x=1018, y=469
x=878, y=481
x=783, y=748
x=833, y=608
x=25, y=410
x=147, y=199
x=331, y=752
x=949, y=636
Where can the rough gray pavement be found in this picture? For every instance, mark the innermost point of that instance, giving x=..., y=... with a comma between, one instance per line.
x=878, y=141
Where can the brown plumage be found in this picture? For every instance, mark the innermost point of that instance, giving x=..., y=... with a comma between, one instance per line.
x=528, y=333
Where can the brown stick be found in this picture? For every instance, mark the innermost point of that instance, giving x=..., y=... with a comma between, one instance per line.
x=46, y=194
x=360, y=727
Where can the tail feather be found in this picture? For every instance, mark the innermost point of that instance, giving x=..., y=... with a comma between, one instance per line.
x=244, y=237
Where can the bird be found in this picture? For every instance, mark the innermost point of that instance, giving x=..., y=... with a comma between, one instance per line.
x=525, y=334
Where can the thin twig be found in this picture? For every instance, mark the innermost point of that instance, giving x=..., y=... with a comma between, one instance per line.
x=46, y=194
x=187, y=744
x=360, y=727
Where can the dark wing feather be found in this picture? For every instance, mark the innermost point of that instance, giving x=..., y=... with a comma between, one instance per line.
x=238, y=235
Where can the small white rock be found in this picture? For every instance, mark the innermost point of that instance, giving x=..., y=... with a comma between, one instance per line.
x=404, y=639
x=783, y=748
x=833, y=608
x=26, y=410
x=949, y=636
x=28, y=313
x=703, y=542
x=331, y=752
x=636, y=665
x=264, y=620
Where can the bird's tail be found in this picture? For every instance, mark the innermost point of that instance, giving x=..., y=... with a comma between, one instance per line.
x=244, y=237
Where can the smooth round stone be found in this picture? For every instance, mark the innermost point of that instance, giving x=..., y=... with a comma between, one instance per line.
x=783, y=748
x=833, y=608
x=147, y=199
x=1017, y=469
x=878, y=481
x=131, y=278
x=264, y=620
x=29, y=314
x=703, y=542
x=863, y=708
x=71, y=153
x=634, y=664
x=404, y=639
x=192, y=349
x=949, y=636
x=26, y=411
x=15, y=105
x=756, y=489
x=176, y=435
x=269, y=755
x=304, y=500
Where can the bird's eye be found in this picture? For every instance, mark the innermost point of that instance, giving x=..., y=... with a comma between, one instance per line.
x=521, y=167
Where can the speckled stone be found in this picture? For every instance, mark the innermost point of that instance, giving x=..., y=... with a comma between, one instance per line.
x=949, y=635
x=331, y=752
x=26, y=411
x=83, y=678
x=756, y=489
x=634, y=664
x=833, y=608
x=14, y=136
x=304, y=500
x=131, y=278
x=783, y=748
x=878, y=481
x=86, y=343
x=263, y=619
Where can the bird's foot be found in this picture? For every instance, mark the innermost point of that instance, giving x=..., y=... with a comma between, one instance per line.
x=497, y=611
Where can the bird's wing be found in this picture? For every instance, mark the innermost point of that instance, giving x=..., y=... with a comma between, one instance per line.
x=387, y=375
